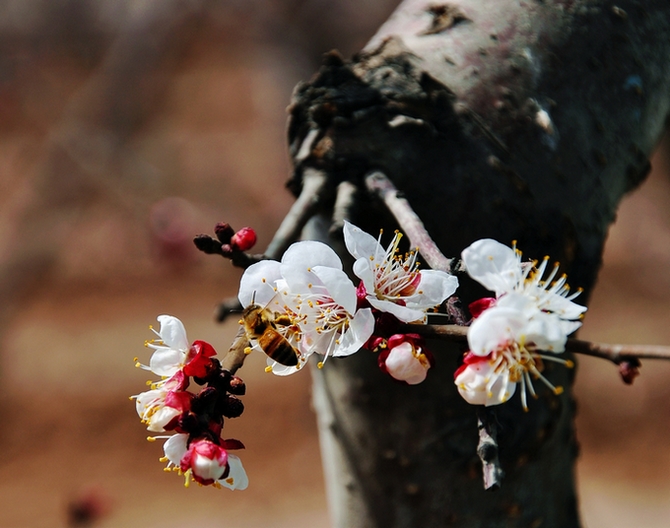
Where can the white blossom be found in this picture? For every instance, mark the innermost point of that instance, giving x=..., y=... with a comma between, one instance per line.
x=503, y=353
x=316, y=298
x=393, y=282
x=546, y=302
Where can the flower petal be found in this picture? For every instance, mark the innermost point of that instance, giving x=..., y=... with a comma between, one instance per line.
x=338, y=285
x=359, y=243
x=172, y=332
x=492, y=264
x=258, y=283
x=237, y=476
x=359, y=331
x=493, y=328
x=175, y=448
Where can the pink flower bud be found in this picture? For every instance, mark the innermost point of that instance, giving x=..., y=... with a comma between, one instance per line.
x=244, y=239
x=207, y=461
x=406, y=359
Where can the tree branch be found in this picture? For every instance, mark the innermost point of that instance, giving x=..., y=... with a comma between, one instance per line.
x=316, y=188
x=487, y=449
x=378, y=184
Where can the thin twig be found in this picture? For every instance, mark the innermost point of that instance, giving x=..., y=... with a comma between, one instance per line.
x=316, y=188
x=617, y=353
x=487, y=449
x=234, y=358
x=345, y=202
x=377, y=183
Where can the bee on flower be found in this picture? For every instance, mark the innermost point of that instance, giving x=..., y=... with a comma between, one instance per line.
x=312, y=304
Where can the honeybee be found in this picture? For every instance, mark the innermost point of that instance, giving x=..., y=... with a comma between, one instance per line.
x=260, y=324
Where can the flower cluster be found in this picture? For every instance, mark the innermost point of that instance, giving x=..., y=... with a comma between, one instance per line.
x=529, y=313
x=196, y=450
x=306, y=303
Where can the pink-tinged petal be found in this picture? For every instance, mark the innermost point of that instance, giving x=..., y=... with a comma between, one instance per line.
x=172, y=332
x=403, y=365
x=175, y=448
x=339, y=286
x=237, y=478
x=494, y=265
x=359, y=243
x=258, y=282
x=206, y=460
x=495, y=327
x=479, y=384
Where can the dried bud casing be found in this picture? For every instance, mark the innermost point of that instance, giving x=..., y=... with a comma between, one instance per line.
x=231, y=406
x=237, y=386
x=207, y=244
x=223, y=232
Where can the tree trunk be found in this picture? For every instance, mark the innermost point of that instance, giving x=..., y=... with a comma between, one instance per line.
x=496, y=118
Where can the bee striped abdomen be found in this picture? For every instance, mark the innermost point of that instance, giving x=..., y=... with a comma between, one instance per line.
x=260, y=325
x=277, y=347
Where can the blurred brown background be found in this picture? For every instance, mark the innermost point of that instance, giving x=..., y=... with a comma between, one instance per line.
x=128, y=126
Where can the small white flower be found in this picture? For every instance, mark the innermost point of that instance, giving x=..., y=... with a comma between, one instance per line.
x=394, y=283
x=520, y=285
x=316, y=298
x=205, y=462
x=159, y=407
x=504, y=352
x=171, y=347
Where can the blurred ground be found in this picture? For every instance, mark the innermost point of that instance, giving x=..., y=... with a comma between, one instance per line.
x=109, y=166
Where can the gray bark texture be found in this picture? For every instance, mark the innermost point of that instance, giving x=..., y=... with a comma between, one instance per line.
x=516, y=120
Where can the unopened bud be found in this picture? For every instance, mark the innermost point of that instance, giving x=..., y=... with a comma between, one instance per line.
x=244, y=239
x=232, y=407
x=629, y=370
x=207, y=244
x=237, y=386
x=223, y=232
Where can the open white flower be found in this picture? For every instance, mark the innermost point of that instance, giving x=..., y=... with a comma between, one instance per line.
x=159, y=407
x=317, y=300
x=205, y=462
x=520, y=285
x=394, y=283
x=171, y=347
x=503, y=352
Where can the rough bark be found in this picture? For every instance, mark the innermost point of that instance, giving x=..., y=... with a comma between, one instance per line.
x=499, y=118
